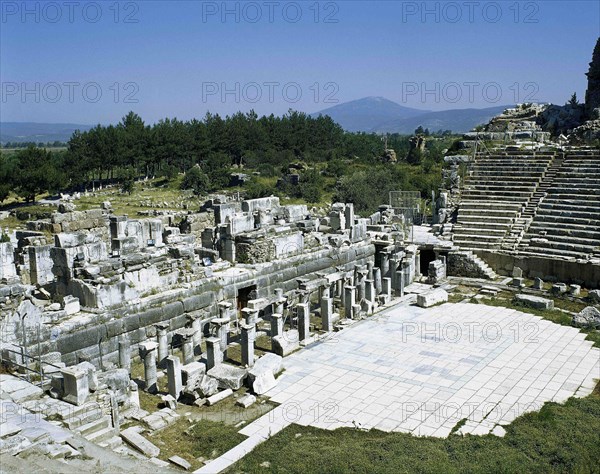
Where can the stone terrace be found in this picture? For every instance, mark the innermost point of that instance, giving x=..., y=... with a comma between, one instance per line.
x=495, y=193
x=567, y=222
x=532, y=204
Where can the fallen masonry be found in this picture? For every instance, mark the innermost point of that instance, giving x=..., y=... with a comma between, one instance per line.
x=216, y=307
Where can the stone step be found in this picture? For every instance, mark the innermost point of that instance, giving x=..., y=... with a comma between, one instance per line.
x=567, y=241
x=95, y=425
x=112, y=443
x=462, y=230
x=566, y=231
x=102, y=435
x=92, y=414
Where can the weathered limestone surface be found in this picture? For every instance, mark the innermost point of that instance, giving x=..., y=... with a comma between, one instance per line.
x=535, y=301
x=432, y=298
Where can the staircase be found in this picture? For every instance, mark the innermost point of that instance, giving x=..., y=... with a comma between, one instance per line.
x=466, y=264
x=497, y=191
x=522, y=223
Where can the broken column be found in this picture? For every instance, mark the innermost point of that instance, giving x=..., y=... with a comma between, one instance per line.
x=377, y=280
x=250, y=315
x=195, y=324
x=174, y=376
x=248, y=336
x=187, y=345
x=394, y=272
x=386, y=286
x=148, y=354
x=221, y=331
x=214, y=356
x=303, y=312
x=163, y=343
x=327, y=314
x=279, y=301
x=276, y=324
x=224, y=309
x=125, y=354
x=385, y=264
x=370, y=291
x=349, y=300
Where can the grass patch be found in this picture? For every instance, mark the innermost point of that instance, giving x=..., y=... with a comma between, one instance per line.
x=196, y=441
x=559, y=438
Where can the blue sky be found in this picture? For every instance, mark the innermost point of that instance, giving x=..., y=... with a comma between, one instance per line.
x=179, y=59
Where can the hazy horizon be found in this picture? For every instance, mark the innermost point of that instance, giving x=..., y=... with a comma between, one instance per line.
x=93, y=62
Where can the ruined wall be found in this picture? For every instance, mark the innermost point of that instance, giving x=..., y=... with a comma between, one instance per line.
x=90, y=335
x=547, y=269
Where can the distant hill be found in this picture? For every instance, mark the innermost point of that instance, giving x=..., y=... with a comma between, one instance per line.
x=38, y=132
x=363, y=114
x=458, y=120
x=380, y=115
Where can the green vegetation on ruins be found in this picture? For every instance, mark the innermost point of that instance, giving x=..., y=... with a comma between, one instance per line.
x=194, y=158
x=544, y=441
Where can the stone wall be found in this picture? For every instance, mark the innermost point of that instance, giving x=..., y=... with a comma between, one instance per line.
x=548, y=269
x=93, y=334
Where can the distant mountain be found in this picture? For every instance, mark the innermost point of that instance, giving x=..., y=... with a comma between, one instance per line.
x=38, y=132
x=363, y=115
x=458, y=120
x=380, y=115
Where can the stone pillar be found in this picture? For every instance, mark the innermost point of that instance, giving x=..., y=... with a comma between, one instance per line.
x=325, y=292
x=349, y=214
x=163, y=343
x=250, y=315
x=386, y=286
x=224, y=310
x=370, y=268
x=370, y=291
x=148, y=354
x=125, y=354
x=393, y=272
x=418, y=264
x=187, y=345
x=349, y=300
x=303, y=312
x=327, y=314
x=339, y=289
x=361, y=285
x=195, y=325
x=247, y=344
x=221, y=331
x=385, y=264
x=214, y=356
x=399, y=284
x=377, y=280
x=279, y=301
x=406, y=269
x=174, y=376
x=276, y=324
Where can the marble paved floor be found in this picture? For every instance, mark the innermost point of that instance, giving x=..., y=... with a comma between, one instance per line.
x=423, y=370
x=409, y=369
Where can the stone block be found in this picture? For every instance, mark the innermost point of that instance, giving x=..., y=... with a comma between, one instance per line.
x=559, y=288
x=588, y=318
x=432, y=298
x=287, y=343
x=71, y=305
x=261, y=379
x=180, y=462
x=536, y=302
x=228, y=376
x=246, y=401
x=136, y=440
